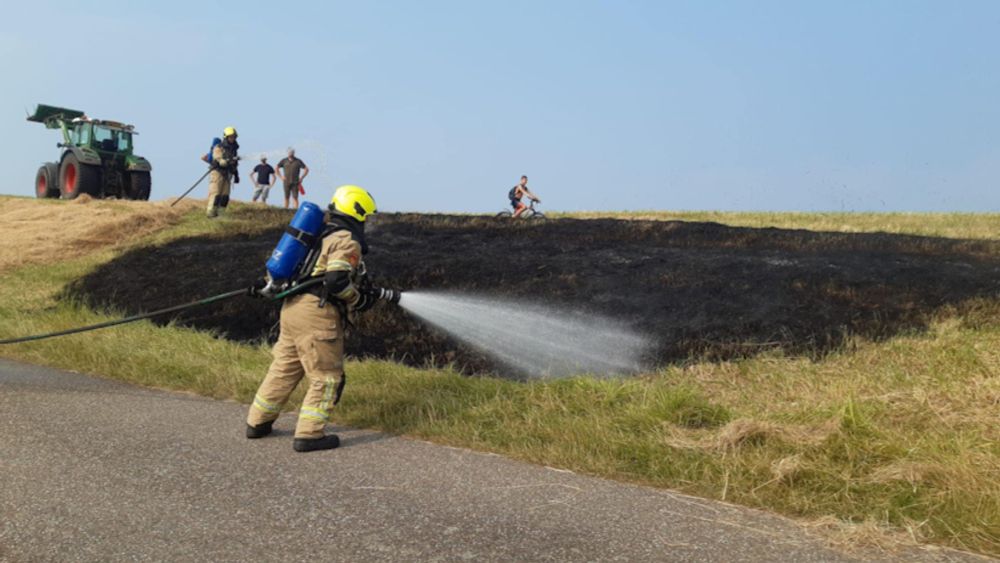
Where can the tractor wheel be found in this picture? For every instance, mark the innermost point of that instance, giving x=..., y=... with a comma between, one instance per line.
x=76, y=178
x=46, y=183
x=53, y=168
x=141, y=184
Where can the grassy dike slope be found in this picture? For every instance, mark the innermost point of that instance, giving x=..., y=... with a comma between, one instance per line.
x=901, y=438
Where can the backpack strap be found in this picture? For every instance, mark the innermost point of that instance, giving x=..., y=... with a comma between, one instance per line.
x=302, y=236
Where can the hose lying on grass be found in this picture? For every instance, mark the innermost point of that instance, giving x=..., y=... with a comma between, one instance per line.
x=168, y=310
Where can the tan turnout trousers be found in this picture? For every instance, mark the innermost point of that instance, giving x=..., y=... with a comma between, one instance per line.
x=311, y=344
x=219, y=184
x=218, y=181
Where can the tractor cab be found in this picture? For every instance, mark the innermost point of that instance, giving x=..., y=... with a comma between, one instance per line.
x=103, y=136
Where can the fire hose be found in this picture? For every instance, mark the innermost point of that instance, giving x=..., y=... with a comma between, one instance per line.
x=193, y=186
x=384, y=294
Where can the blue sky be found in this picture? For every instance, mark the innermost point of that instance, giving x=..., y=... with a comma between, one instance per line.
x=442, y=105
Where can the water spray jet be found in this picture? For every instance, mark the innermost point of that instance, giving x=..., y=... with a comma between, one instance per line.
x=537, y=341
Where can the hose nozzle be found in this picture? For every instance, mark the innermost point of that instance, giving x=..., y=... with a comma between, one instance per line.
x=390, y=295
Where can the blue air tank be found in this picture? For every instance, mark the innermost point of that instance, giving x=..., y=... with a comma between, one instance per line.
x=295, y=243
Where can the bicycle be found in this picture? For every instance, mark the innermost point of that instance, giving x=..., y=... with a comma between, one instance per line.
x=530, y=213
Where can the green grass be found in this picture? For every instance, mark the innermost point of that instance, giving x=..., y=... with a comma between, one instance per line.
x=903, y=433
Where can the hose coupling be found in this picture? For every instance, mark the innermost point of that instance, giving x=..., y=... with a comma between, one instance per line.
x=390, y=295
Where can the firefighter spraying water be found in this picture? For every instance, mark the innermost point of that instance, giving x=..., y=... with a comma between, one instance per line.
x=320, y=266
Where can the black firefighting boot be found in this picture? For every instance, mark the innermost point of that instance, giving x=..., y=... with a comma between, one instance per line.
x=327, y=442
x=259, y=431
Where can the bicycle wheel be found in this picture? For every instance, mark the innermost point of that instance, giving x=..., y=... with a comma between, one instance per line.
x=503, y=214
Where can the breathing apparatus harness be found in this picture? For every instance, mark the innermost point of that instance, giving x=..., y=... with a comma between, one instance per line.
x=290, y=268
x=337, y=281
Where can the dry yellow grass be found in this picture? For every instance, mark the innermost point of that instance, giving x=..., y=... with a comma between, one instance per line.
x=38, y=231
x=866, y=536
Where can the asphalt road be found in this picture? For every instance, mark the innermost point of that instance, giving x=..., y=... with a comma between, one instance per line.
x=95, y=470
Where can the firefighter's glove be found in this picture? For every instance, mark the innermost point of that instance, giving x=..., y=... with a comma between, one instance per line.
x=336, y=282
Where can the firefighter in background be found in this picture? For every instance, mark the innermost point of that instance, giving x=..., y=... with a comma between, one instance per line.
x=223, y=162
x=311, y=342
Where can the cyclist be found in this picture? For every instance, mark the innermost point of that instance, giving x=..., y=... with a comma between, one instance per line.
x=517, y=193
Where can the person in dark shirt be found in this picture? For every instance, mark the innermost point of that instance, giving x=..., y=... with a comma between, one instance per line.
x=289, y=170
x=262, y=177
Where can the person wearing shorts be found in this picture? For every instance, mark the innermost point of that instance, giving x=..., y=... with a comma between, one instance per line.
x=292, y=171
x=517, y=193
x=262, y=180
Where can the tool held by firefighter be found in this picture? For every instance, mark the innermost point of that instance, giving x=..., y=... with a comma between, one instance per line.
x=205, y=158
x=193, y=186
x=320, y=266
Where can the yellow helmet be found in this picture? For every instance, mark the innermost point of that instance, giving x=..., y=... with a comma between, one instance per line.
x=353, y=201
x=228, y=131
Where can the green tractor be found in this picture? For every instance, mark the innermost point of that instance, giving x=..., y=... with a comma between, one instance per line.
x=96, y=159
